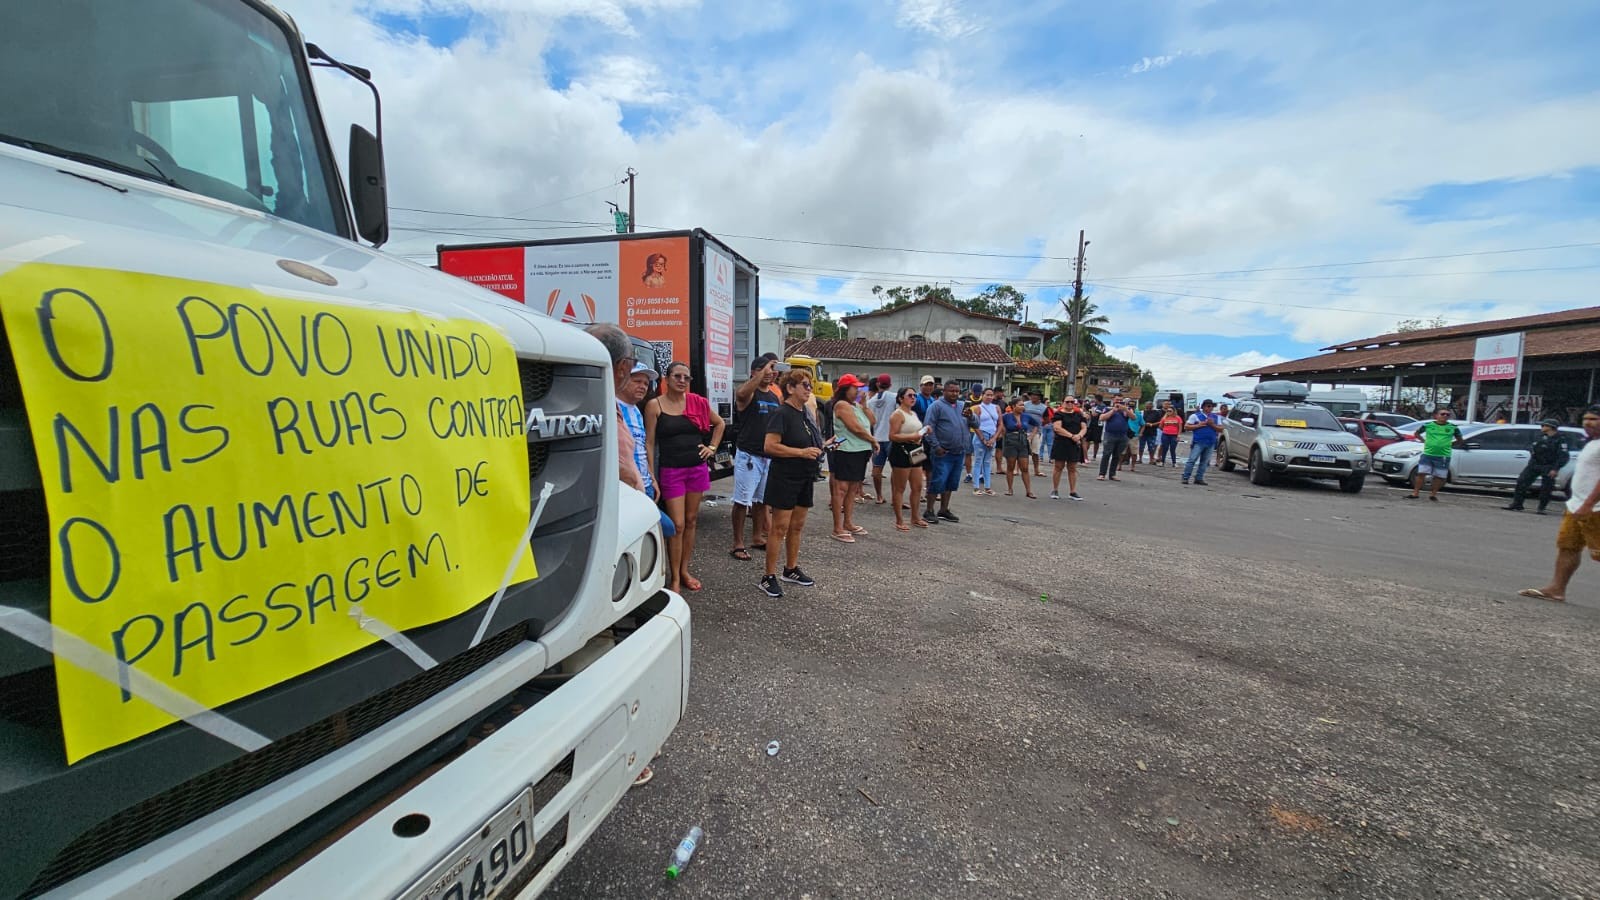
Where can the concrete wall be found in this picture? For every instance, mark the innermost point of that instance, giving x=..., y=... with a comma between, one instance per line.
x=911, y=373
x=935, y=323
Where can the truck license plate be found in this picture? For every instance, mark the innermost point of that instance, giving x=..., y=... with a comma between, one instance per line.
x=1322, y=458
x=486, y=861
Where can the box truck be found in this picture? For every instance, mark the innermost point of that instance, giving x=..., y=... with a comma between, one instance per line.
x=293, y=600
x=687, y=293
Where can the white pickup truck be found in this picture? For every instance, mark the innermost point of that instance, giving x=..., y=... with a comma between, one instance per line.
x=178, y=255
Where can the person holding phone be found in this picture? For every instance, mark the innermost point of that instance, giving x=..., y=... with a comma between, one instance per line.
x=847, y=460
x=1114, y=421
x=1203, y=427
x=794, y=444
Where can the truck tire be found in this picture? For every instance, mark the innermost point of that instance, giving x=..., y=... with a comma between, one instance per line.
x=1351, y=484
x=1224, y=461
x=1258, y=469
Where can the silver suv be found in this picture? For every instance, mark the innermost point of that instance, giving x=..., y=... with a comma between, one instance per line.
x=1290, y=437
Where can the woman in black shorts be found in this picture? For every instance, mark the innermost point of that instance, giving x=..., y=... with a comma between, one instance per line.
x=1091, y=440
x=906, y=433
x=847, y=465
x=1071, y=428
x=1014, y=447
x=794, y=445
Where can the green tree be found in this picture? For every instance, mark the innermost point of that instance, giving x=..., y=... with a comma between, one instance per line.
x=1421, y=324
x=890, y=298
x=824, y=325
x=997, y=300
x=1092, y=326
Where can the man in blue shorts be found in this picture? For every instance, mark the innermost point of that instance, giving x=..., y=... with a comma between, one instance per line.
x=1439, y=437
x=753, y=401
x=950, y=442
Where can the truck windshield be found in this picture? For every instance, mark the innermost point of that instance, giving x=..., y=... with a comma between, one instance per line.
x=204, y=95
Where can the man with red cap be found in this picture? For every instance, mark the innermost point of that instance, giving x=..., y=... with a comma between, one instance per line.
x=880, y=406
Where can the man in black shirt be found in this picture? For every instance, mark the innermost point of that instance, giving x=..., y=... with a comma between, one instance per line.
x=753, y=402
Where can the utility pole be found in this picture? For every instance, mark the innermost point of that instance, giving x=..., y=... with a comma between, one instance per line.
x=1075, y=314
x=632, y=176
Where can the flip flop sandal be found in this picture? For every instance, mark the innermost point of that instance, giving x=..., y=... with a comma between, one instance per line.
x=644, y=777
x=844, y=537
x=1033, y=496
x=692, y=584
x=1540, y=595
x=899, y=527
x=857, y=529
x=740, y=553
x=920, y=524
x=758, y=546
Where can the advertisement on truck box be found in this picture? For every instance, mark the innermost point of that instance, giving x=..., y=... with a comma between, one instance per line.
x=642, y=285
x=719, y=326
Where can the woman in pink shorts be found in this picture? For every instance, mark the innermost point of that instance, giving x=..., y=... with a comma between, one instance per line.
x=682, y=432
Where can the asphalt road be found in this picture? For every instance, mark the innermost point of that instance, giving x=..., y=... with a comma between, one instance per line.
x=1231, y=691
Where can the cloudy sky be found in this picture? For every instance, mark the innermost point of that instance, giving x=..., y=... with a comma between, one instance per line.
x=1257, y=179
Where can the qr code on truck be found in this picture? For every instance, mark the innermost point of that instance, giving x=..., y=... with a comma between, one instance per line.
x=663, y=355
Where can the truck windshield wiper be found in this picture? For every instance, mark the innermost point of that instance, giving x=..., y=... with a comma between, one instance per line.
x=81, y=156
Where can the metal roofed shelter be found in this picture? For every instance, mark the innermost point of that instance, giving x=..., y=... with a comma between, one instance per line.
x=1561, y=361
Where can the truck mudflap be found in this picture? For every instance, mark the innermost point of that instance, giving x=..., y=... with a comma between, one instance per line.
x=502, y=819
x=511, y=809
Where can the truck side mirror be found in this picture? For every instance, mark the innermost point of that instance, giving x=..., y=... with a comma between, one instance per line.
x=369, y=188
x=1247, y=421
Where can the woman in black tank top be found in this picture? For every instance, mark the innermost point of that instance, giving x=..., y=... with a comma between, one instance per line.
x=682, y=431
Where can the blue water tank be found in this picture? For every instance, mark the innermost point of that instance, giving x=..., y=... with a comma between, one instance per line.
x=797, y=315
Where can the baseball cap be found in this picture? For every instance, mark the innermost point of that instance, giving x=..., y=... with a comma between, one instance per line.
x=884, y=381
x=761, y=361
x=1553, y=423
x=1207, y=402
x=926, y=379
x=848, y=380
x=639, y=367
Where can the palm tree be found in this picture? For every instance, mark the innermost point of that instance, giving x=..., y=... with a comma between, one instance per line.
x=1091, y=326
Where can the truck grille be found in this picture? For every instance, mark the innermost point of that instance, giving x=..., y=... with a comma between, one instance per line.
x=24, y=537
x=145, y=821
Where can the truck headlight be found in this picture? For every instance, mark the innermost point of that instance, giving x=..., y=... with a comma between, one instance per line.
x=1279, y=444
x=649, y=554
x=622, y=578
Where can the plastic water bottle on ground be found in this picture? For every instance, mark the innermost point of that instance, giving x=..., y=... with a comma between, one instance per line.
x=685, y=850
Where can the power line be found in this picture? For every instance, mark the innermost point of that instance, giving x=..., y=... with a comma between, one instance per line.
x=1348, y=277
x=573, y=197
x=1138, y=291
x=1369, y=262
x=1069, y=259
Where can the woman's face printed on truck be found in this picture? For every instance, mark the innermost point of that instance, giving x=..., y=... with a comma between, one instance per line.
x=655, y=270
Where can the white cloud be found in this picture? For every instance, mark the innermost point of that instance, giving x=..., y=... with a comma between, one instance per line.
x=927, y=154
x=941, y=18
x=1153, y=62
x=625, y=79
x=1208, y=376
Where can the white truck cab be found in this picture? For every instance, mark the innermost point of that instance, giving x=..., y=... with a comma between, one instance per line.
x=171, y=150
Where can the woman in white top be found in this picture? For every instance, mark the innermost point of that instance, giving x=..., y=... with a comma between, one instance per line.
x=906, y=432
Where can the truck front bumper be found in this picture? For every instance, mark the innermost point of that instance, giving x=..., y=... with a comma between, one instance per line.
x=579, y=748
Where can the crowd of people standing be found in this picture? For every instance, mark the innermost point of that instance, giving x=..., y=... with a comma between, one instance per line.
x=932, y=439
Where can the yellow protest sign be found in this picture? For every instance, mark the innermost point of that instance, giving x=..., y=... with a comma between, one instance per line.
x=228, y=473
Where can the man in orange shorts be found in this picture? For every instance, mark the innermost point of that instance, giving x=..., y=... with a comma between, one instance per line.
x=1580, y=527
